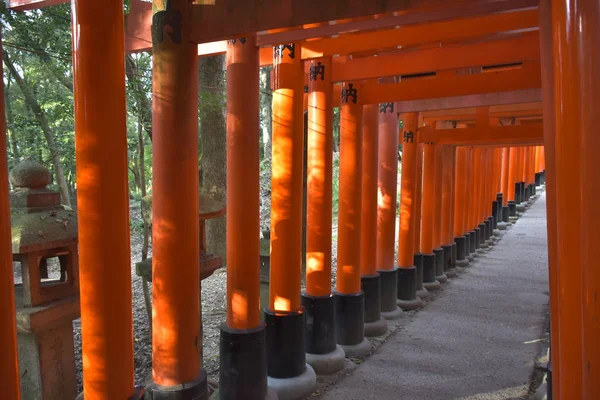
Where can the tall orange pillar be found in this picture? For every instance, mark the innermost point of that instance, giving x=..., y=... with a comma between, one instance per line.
x=407, y=273
x=526, y=168
x=460, y=199
x=447, y=209
x=102, y=190
x=428, y=215
x=375, y=325
x=176, y=341
x=318, y=300
x=512, y=186
x=477, y=193
x=9, y=367
x=387, y=194
x=440, y=276
x=349, y=297
x=285, y=316
x=418, y=256
x=243, y=365
x=574, y=30
x=504, y=178
x=538, y=165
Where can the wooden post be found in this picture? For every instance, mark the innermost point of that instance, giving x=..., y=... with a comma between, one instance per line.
x=460, y=206
x=9, y=367
x=407, y=273
x=440, y=276
x=349, y=297
x=176, y=340
x=428, y=215
x=418, y=256
x=243, y=365
x=102, y=191
x=447, y=209
x=386, y=209
x=285, y=319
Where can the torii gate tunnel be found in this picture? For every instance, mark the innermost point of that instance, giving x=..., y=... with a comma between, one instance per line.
x=494, y=95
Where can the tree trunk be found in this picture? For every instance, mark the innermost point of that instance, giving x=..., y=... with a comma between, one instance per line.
x=214, y=145
x=35, y=108
x=267, y=101
x=10, y=122
x=143, y=104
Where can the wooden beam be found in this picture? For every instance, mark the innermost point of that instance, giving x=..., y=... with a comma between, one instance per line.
x=404, y=36
x=448, y=85
x=521, y=111
x=519, y=49
x=476, y=100
x=512, y=135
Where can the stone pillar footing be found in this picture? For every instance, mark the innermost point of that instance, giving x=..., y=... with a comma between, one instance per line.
x=285, y=342
x=243, y=364
x=422, y=293
x=374, y=324
x=407, y=289
x=327, y=364
x=196, y=390
x=320, y=324
x=440, y=276
x=449, y=269
x=389, y=294
x=429, y=272
x=349, y=321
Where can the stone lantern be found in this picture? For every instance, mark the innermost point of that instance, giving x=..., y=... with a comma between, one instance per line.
x=44, y=246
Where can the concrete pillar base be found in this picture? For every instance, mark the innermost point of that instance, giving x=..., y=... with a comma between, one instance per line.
x=514, y=219
x=502, y=226
x=139, y=394
x=497, y=232
x=294, y=388
x=463, y=263
x=521, y=207
x=475, y=254
x=483, y=245
x=423, y=293
x=432, y=286
x=407, y=305
x=327, y=364
x=490, y=242
x=357, y=350
x=470, y=258
x=397, y=313
x=451, y=273
x=376, y=328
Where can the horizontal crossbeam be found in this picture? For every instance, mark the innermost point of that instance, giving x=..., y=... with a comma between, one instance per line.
x=531, y=134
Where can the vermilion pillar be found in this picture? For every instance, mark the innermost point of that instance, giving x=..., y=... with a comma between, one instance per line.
x=427, y=218
x=243, y=367
x=349, y=297
x=440, y=276
x=317, y=299
x=375, y=325
x=386, y=209
x=505, y=178
x=9, y=368
x=513, y=160
x=407, y=273
x=103, y=204
x=285, y=319
x=447, y=195
x=460, y=199
x=418, y=257
x=176, y=341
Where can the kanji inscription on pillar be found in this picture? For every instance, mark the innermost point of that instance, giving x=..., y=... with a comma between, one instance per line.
x=316, y=71
x=408, y=137
x=349, y=93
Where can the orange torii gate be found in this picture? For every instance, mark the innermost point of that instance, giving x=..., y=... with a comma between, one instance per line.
x=565, y=68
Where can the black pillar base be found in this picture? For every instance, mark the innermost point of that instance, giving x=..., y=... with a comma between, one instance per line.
x=538, y=178
x=440, y=276
x=407, y=283
x=453, y=256
x=196, y=390
x=472, y=241
x=320, y=326
x=533, y=189
x=527, y=194
x=429, y=271
x=481, y=234
x=349, y=318
x=286, y=355
x=447, y=251
x=243, y=364
x=489, y=228
x=389, y=290
x=512, y=208
x=477, y=238
x=500, y=197
x=461, y=248
x=522, y=190
x=506, y=214
x=418, y=261
x=518, y=198
x=543, y=179
x=371, y=287
x=495, y=215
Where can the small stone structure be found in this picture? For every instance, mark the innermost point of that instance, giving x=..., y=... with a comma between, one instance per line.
x=44, y=243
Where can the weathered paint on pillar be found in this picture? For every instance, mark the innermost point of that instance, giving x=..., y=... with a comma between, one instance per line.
x=9, y=367
x=243, y=266
x=387, y=192
x=428, y=199
x=286, y=181
x=460, y=192
x=406, y=248
x=505, y=177
x=319, y=185
x=102, y=190
x=513, y=160
x=437, y=205
x=370, y=161
x=349, y=220
x=176, y=341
